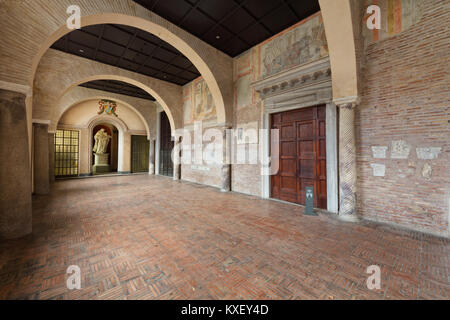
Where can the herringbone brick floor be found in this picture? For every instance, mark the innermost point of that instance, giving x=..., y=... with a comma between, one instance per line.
x=146, y=237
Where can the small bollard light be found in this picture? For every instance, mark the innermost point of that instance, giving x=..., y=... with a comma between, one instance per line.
x=309, y=198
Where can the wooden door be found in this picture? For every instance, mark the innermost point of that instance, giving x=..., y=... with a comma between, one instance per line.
x=302, y=162
x=139, y=153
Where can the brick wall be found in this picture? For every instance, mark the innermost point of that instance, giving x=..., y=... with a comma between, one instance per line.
x=406, y=97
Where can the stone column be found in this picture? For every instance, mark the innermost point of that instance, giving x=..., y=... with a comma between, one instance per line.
x=15, y=172
x=347, y=162
x=151, y=157
x=51, y=157
x=41, y=159
x=177, y=158
x=226, y=161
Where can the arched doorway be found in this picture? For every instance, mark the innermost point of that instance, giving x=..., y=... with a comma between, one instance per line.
x=110, y=160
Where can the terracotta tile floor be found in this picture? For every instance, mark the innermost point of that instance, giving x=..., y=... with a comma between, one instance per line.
x=143, y=237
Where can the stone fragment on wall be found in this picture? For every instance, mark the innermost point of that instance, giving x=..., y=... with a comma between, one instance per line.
x=379, y=170
x=428, y=153
x=427, y=171
x=400, y=149
x=379, y=152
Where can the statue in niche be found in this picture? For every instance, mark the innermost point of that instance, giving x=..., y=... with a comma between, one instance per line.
x=101, y=142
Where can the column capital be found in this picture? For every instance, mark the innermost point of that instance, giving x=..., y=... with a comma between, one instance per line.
x=347, y=102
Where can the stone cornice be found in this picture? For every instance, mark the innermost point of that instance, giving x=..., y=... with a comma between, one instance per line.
x=40, y=121
x=311, y=74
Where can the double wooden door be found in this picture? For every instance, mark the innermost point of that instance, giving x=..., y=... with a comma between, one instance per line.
x=139, y=153
x=302, y=151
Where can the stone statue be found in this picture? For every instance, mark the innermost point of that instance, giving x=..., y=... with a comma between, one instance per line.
x=101, y=142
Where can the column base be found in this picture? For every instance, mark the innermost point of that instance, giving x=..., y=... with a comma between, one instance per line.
x=226, y=178
x=349, y=218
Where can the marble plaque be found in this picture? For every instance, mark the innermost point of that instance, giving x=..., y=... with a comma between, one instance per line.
x=379, y=170
x=379, y=152
x=428, y=153
x=400, y=149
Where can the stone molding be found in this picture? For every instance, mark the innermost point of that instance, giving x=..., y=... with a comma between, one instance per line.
x=304, y=85
x=15, y=87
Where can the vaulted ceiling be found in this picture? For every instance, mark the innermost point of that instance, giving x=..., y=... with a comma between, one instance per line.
x=232, y=26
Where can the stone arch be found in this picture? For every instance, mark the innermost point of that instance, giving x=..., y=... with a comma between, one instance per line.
x=214, y=66
x=129, y=81
x=340, y=29
x=52, y=84
x=69, y=102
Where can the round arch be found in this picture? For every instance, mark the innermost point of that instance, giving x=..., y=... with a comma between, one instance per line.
x=128, y=80
x=217, y=82
x=340, y=30
x=70, y=104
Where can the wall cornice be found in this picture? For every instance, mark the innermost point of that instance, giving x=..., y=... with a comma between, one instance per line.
x=299, y=77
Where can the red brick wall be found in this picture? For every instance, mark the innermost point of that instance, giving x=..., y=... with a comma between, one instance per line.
x=406, y=97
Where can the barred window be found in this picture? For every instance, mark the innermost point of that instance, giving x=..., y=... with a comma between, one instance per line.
x=66, y=153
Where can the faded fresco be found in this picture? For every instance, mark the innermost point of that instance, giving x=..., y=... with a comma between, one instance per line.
x=301, y=44
x=396, y=16
x=198, y=102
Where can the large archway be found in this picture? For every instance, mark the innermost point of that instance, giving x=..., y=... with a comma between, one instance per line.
x=136, y=83
x=69, y=100
x=341, y=26
x=217, y=74
x=53, y=86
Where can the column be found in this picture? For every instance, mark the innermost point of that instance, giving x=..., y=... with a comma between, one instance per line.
x=226, y=161
x=41, y=159
x=15, y=172
x=51, y=157
x=347, y=162
x=151, y=157
x=177, y=158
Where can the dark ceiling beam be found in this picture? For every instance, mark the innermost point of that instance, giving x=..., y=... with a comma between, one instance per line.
x=128, y=60
x=154, y=5
x=162, y=70
x=119, y=88
x=228, y=15
x=234, y=35
x=175, y=51
x=292, y=9
x=191, y=9
x=130, y=41
x=257, y=21
x=66, y=42
x=99, y=40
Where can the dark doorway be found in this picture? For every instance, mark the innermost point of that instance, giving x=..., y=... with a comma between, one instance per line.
x=139, y=153
x=302, y=149
x=166, y=147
